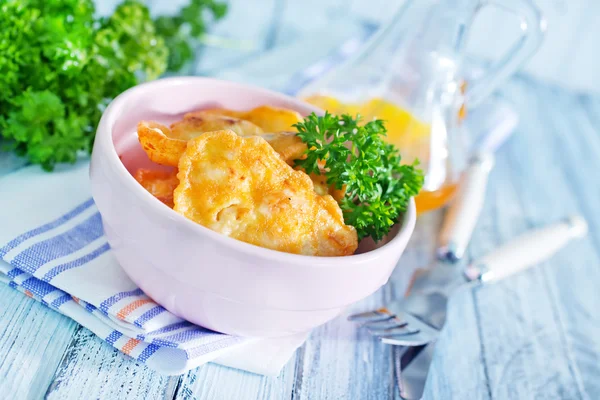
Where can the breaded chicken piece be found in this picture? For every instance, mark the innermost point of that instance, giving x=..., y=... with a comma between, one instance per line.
x=158, y=144
x=268, y=118
x=192, y=126
x=165, y=145
x=275, y=122
x=160, y=184
x=322, y=187
x=241, y=188
x=289, y=146
x=273, y=119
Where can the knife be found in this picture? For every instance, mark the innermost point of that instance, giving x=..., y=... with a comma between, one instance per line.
x=496, y=122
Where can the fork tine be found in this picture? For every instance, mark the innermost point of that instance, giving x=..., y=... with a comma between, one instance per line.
x=400, y=330
x=391, y=322
x=371, y=316
x=403, y=329
x=418, y=339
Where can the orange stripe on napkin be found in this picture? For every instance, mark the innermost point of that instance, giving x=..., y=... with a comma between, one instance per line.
x=28, y=293
x=131, y=343
x=76, y=299
x=129, y=308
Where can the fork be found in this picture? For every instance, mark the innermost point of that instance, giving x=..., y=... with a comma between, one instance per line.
x=418, y=319
x=414, y=323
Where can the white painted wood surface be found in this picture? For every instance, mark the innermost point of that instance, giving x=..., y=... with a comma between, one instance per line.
x=536, y=335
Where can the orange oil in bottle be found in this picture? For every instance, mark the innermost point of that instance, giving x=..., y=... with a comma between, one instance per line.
x=405, y=131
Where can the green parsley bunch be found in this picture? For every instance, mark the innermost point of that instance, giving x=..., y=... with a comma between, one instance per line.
x=60, y=65
x=378, y=187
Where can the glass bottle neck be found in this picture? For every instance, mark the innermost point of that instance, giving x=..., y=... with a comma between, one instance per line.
x=418, y=30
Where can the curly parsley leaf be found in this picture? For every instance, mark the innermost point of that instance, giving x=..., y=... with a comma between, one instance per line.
x=60, y=65
x=378, y=187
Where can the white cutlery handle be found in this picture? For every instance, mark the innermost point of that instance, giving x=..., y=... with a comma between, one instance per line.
x=465, y=208
x=526, y=250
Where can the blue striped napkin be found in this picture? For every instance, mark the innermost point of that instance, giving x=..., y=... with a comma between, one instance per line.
x=53, y=249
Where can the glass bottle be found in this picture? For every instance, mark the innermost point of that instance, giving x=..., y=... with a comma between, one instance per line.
x=411, y=74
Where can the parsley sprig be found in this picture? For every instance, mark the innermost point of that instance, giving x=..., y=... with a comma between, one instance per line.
x=61, y=63
x=377, y=186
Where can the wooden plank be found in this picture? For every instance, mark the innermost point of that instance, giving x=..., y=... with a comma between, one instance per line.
x=534, y=336
x=458, y=368
x=461, y=364
x=457, y=347
x=246, y=29
x=575, y=143
x=342, y=361
x=591, y=105
x=92, y=369
x=524, y=336
x=516, y=317
x=529, y=340
x=33, y=339
x=221, y=383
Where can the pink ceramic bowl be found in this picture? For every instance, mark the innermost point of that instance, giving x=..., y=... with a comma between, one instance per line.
x=200, y=275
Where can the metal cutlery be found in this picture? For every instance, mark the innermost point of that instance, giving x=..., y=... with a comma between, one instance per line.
x=417, y=320
x=463, y=212
x=497, y=122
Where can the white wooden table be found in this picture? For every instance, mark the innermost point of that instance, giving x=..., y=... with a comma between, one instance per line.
x=535, y=335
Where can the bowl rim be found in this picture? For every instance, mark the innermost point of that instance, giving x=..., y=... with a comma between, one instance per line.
x=104, y=142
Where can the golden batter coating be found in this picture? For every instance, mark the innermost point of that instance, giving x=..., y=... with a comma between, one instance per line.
x=268, y=118
x=160, y=184
x=273, y=119
x=241, y=188
x=275, y=122
x=165, y=145
x=192, y=126
x=323, y=188
x=289, y=146
x=157, y=142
